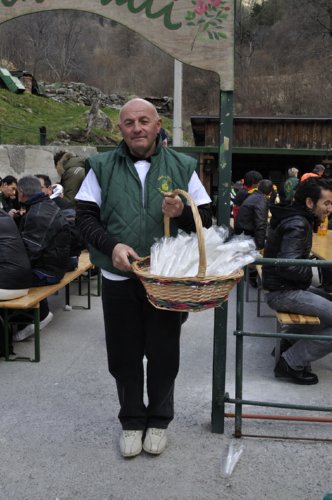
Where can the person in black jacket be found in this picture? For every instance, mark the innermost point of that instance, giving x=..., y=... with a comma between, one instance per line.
x=290, y=290
x=253, y=213
x=250, y=183
x=15, y=268
x=46, y=236
x=55, y=192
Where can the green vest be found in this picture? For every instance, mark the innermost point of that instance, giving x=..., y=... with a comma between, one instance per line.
x=123, y=212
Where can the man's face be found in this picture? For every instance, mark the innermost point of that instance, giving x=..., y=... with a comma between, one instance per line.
x=46, y=190
x=9, y=190
x=139, y=125
x=323, y=207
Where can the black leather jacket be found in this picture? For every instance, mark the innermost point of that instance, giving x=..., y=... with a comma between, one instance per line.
x=46, y=236
x=15, y=268
x=289, y=237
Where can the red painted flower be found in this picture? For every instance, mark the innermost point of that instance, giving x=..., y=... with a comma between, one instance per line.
x=214, y=3
x=201, y=7
x=227, y=8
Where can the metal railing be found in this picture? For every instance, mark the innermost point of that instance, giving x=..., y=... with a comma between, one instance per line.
x=240, y=333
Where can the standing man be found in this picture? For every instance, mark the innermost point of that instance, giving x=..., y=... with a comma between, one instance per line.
x=290, y=290
x=290, y=184
x=120, y=209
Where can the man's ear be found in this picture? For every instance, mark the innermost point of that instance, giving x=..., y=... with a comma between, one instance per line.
x=309, y=203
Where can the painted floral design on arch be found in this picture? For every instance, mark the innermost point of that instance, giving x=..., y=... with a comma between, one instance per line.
x=208, y=16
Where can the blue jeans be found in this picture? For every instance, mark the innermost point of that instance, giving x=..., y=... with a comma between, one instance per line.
x=313, y=302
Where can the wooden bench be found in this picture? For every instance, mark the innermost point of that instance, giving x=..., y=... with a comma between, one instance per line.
x=29, y=304
x=286, y=319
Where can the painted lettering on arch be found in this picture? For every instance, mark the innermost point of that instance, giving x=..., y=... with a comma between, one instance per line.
x=135, y=7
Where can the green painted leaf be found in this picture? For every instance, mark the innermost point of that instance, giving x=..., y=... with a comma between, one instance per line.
x=190, y=15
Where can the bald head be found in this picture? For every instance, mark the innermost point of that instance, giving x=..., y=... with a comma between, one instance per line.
x=139, y=125
x=136, y=104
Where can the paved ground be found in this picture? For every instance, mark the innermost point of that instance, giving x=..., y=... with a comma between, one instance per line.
x=59, y=429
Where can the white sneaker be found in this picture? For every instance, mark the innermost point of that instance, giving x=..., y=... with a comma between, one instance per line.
x=131, y=443
x=29, y=330
x=155, y=441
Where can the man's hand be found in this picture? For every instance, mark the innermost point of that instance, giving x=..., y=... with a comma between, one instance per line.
x=120, y=257
x=172, y=205
x=12, y=212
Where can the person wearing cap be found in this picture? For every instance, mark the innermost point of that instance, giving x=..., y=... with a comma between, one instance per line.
x=317, y=171
x=120, y=211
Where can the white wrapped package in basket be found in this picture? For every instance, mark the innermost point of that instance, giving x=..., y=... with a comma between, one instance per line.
x=178, y=257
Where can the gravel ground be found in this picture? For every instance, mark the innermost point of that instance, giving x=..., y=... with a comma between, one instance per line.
x=59, y=430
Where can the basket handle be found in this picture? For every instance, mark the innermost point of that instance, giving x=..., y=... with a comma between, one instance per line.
x=199, y=231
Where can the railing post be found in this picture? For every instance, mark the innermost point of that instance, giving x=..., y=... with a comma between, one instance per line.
x=42, y=136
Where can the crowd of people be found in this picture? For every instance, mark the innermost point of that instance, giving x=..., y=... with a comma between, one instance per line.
x=114, y=204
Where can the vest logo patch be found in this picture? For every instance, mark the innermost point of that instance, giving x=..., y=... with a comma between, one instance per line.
x=165, y=184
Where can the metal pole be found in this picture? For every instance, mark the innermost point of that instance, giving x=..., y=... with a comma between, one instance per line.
x=223, y=214
x=177, y=105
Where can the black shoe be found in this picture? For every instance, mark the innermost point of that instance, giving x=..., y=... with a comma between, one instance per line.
x=302, y=377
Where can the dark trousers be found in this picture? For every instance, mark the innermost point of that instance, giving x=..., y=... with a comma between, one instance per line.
x=135, y=328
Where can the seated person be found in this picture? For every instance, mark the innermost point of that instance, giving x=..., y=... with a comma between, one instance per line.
x=289, y=287
x=15, y=268
x=46, y=236
x=8, y=191
x=252, y=219
x=56, y=193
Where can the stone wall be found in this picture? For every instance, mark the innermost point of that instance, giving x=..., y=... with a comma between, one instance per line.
x=30, y=160
x=85, y=94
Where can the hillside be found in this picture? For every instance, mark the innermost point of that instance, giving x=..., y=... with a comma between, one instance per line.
x=22, y=115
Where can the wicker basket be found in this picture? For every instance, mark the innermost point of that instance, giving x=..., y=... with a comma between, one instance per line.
x=186, y=294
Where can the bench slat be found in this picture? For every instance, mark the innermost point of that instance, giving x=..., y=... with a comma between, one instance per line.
x=285, y=318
